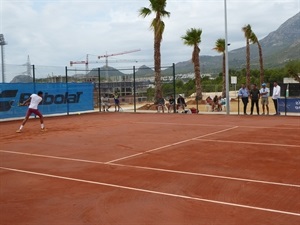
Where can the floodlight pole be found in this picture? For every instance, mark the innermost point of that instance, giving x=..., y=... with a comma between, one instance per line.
x=226, y=62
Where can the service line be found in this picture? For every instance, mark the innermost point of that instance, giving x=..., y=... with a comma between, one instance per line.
x=249, y=143
x=219, y=125
x=174, y=144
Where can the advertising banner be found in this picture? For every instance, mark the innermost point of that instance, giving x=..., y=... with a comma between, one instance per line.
x=58, y=98
x=289, y=105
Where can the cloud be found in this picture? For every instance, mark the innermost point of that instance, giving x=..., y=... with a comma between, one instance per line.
x=54, y=32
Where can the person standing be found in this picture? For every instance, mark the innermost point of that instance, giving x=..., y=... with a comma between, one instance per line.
x=34, y=100
x=171, y=104
x=264, y=93
x=244, y=95
x=117, y=101
x=254, y=96
x=275, y=96
x=105, y=103
x=160, y=104
x=181, y=102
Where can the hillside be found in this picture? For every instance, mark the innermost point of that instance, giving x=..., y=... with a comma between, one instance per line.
x=278, y=47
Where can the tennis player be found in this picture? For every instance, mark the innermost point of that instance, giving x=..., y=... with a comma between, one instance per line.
x=34, y=100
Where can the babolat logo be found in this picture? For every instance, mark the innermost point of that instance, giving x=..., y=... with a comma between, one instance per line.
x=6, y=99
x=49, y=99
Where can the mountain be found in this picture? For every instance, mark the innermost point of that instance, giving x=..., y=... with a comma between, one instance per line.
x=110, y=71
x=22, y=79
x=144, y=71
x=278, y=47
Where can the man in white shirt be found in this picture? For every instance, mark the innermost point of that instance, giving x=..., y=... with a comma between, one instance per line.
x=105, y=103
x=276, y=95
x=34, y=100
x=264, y=93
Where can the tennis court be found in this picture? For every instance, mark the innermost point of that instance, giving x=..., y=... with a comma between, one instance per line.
x=142, y=169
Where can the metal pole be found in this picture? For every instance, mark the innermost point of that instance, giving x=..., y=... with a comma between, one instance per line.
x=285, y=101
x=66, y=69
x=2, y=63
x=174, y=90
x=2, y=43
x=134, y=90
x=33, y=78
x=99, y=90
x=226, y=61
x=238, y=105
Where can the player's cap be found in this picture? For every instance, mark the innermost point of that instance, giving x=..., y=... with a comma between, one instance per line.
x=263, y=84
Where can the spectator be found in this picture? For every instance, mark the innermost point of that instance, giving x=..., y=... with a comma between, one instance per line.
x=254, y=96
x=217, y=106
x=275, y=96
x=264, y=93
x=244, y=95
x=117, y=101
x=181, y=102
x=160, y=103
x=210, y=102
x=222, y=102
x=105, y=103
x=171, y=103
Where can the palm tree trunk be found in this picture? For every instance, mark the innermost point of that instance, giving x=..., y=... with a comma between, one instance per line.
x=261, y=64
x=224, y=79
x=196, y=60
x=157, y=68
x=248, y=64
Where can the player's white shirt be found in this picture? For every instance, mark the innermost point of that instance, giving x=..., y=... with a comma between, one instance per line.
x=35, y=101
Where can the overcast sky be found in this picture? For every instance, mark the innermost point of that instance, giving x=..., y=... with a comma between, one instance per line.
x=55, y=32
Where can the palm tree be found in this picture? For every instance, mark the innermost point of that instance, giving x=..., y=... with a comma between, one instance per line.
x=254, y=40
x=193, y=38
x=157, y=25
x=247, y=31
x=220, y=47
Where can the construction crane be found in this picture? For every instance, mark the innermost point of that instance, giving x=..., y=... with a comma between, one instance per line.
x=115, y=54
x=86, y=62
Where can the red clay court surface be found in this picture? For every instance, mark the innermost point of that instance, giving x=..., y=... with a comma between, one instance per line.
x=151, y=169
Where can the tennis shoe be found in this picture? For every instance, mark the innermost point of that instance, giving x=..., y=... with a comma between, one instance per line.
x=43, y=129
x=18, y=131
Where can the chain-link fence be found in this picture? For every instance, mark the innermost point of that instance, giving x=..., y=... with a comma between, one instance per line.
x=134, y=89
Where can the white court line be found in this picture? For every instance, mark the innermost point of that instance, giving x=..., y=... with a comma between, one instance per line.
x=206, y=175
x=176, y=143
x=52, y=157
x=155, y=169
x=217, y=125
x=185, y=124
x=249, y=143
x=153, y=192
